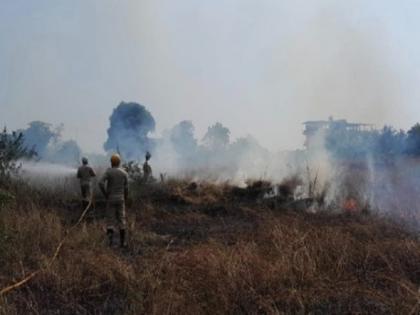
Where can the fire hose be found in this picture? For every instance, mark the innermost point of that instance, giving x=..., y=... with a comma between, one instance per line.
x=53, y=258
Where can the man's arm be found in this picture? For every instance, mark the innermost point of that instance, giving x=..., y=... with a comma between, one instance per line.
x=102, y=183
x=78, y=173
x=92, y=172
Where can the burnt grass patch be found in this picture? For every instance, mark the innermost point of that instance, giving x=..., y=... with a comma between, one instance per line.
x=205, y=249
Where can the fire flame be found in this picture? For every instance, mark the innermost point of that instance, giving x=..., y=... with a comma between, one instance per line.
x=351, y=205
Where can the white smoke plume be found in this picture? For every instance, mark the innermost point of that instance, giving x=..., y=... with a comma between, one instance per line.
x=46, y=175
x=45, y=169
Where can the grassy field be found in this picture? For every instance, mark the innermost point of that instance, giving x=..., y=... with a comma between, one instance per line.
x=202, y=250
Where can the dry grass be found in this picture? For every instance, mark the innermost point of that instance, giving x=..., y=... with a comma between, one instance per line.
x=196, y=250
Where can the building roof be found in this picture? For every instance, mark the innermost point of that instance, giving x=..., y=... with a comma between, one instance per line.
x=339, y=121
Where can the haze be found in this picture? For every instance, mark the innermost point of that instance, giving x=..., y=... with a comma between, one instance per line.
x=259, y=67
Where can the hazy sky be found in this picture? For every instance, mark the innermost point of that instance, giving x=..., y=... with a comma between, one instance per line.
x=260, y=67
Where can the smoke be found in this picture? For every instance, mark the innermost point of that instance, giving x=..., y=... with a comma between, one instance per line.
x=45, y=170
x=58, y=179
x=339, y=162
x=46, y=141
x=183, y=139
x=130, y=125
x=373, y=170
x=336, y=66
x=178, y=153
x=66, y=152
x=217, y=137
x=273, y=64
x=177, y=150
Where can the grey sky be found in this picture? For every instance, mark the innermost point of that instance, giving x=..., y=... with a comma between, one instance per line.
x=260, y=67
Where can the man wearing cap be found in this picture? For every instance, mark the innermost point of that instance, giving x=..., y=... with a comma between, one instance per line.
x=147, y=169
x=85, y=174
x=114, y=186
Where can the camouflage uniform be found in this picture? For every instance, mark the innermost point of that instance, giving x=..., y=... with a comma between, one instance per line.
x=85, y=174
x=114, y=184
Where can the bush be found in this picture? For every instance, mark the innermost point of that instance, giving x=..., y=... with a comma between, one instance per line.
x=6, y=198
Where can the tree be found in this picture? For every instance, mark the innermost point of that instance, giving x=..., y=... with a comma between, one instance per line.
x=182, y=138
x=390, y=142
x=39, y=136
x=130, y=125
x=217, y=137
x=346, y=143
x=12, y=149
x=413, y=140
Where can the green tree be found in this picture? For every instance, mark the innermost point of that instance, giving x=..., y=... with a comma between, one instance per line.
x=12, y=150
x=128, y=133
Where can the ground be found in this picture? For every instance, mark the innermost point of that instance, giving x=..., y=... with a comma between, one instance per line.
x=203, y=249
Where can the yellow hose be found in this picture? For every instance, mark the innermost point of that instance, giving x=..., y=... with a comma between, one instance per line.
x=52, y=259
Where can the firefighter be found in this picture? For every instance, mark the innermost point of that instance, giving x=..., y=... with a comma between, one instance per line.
x=114, y=186
x=85, y=173
x=147, y=169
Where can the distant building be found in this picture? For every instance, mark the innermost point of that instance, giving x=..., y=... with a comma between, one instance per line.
x=313, y=128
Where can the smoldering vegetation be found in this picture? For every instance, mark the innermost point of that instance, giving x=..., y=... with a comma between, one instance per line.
x=373, y=168
x=203, y=248
x=342, y=162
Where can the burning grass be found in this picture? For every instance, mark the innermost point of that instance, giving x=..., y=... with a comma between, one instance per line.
x=199, y=249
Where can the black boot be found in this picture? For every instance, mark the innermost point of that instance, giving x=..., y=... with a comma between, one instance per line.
x=123, y=244
x=110, y=234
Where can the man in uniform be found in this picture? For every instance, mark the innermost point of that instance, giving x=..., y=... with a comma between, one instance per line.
x=114, y=186
x=147, y=169
x=85, y=174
